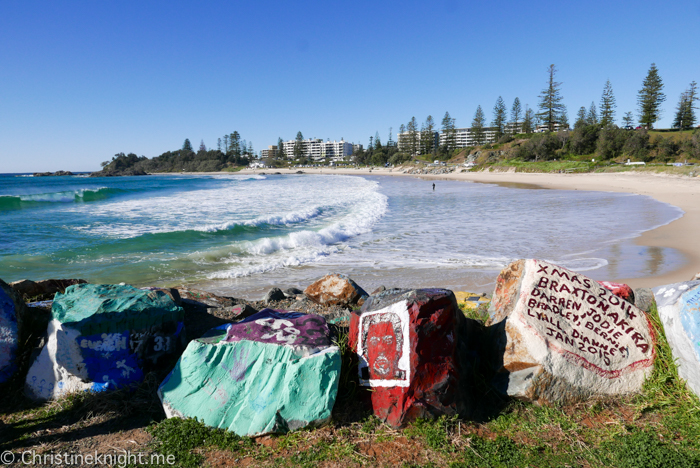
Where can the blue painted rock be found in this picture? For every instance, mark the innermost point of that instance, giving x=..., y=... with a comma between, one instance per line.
x=335, y=289
x=104, y=337
x=12, y=312
x=275, y=371
x=679, y=311
x=562, y=337
x=408, y=347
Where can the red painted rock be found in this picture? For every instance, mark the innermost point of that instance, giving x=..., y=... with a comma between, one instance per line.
x=335, y=289
x=408, y=350
x=619, y=289
x=561, y=337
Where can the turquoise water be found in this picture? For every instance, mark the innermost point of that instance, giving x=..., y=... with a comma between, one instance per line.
x=239, y=234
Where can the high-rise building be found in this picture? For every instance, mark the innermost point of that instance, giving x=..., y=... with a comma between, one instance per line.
x=317, y=149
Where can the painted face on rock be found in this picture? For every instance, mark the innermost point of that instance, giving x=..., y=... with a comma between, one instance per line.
x=382, y=353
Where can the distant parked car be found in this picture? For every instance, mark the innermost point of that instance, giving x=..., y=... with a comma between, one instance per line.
x=629, y=127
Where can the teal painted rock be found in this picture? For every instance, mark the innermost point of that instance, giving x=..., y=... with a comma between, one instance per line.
x=11, y=313
x=104, y=337
x=273, y=372
x=679, y=311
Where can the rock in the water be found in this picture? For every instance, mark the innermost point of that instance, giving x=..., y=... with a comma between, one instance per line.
x=12, y=313
x=561, y=337
x=643, y=298
x=408, y=344
x=274, y=295
x=619, y=289
x=679, y=311
x=336, y=289
x=103, y=337
x=273, y=372
x=378, y=290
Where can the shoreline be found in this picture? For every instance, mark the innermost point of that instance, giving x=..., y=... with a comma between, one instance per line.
x=682, y=192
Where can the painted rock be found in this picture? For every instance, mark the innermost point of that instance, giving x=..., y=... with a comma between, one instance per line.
x=561, y=337
x=103, y=337
x=407, y=343
x=12, y=312
x=275, y=371
x=335, y=289
x=619, y=289
x=679, y=311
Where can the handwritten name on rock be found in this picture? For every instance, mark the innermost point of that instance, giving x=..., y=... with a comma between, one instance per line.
x=585, y=322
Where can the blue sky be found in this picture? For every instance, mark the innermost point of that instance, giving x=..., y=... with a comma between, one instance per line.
x=81, y=81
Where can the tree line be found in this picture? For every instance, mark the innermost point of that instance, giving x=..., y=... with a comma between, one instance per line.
x=594, y=129
x=232, y=151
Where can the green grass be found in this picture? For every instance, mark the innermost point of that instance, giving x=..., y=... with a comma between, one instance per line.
x=658, y=427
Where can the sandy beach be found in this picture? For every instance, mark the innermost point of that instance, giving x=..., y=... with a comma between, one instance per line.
x=683, y=192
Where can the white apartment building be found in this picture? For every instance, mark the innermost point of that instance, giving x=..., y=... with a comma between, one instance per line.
x=270, y=152
x=404, y=141
x=465, y=137
x=317, y=149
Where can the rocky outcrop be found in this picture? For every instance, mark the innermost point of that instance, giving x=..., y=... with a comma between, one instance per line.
x=561, y=337
x=57, y=173
x=119, y=173
x=410, y=346
x=336, y=289
x=679, y=311
x=272, y=372
x=103, y=337
x=43, y=290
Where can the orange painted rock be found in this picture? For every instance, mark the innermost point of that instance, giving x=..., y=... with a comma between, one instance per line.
x=335, y=289
x=562, y=337
x=408, y=347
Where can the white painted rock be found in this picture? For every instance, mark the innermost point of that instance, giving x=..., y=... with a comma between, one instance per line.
x=679, y=311
x=562, y=337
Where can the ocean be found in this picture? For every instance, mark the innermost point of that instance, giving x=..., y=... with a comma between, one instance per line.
x=239, y=235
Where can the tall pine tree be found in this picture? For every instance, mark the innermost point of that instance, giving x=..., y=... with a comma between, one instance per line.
x=499, y=117
x=477, y=129
x=650, y=98
x=550, y=101
x=607, y=105
x=516, y=115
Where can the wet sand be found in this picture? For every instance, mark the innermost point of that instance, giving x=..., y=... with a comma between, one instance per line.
x=682, y=234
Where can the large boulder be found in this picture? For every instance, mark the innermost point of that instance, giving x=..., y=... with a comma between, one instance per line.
x=336, y=289
x=561, y=337
x=679, y=311
x=103, y=337
x=410, y=346
x=272, y=372
x=12, y=313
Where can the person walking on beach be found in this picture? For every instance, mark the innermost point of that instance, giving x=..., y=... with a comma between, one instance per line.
x=433, y=186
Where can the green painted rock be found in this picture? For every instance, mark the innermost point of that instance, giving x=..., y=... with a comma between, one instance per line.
x=104, y=337
x=272, y=372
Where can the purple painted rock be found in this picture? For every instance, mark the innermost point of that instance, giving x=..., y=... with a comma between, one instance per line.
x=335, y=289
x=276, y=371
x=12, y=312
x=562, y=337
x=408, y=347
